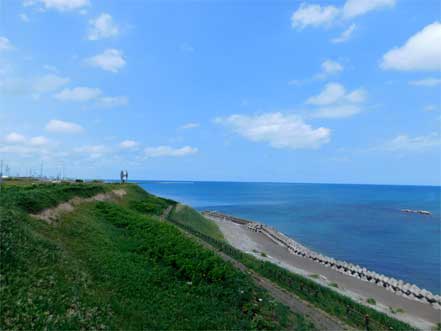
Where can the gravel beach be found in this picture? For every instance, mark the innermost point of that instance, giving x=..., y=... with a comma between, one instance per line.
x=418, y=314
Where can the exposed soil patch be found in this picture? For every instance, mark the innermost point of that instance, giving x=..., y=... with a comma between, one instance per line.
x=50, y=215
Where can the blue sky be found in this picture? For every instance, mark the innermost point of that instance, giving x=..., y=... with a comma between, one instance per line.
x=335, y=91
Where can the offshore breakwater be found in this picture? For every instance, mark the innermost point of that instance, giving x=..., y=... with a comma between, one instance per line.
x=393, y=285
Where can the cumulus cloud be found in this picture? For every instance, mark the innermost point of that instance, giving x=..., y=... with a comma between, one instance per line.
x=330, y=94
x=110, y=60
x=345, y=35
x=278, y=130
x=102, y=27
x=128, y=144
x=337, y=111
x=314, y=15
x=15, y=138
x=39, y=141
x=78, y=94
x=88, y=94
x=427, y=82
x=422, y=52
x=328, y=68
x=335, y=102
x=190, y=125
x=163, y=151
x=111, y=102
x=5, y=44
x=60, y=5
x=59, y=126
x=405, y=143
x=353, y=8
x=49, y=83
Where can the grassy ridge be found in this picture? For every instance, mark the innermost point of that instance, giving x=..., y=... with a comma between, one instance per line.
x=191, y=218
x=36, y=197
x=110, y=266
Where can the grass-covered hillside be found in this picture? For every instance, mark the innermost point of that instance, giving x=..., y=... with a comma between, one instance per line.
x=115, y=264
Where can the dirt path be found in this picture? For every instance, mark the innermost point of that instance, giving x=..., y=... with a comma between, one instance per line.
x=321, y=320
x=50, y=215
x=166, y=213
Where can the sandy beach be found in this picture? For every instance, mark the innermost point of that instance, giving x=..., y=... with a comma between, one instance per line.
x=421, y=315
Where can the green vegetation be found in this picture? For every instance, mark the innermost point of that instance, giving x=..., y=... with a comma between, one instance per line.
x=263, y=254
x=315, y=276
x=334, y=285
x=322, y=297
x=371, y=301
x=438, y=327
x=109, y=265
x=396, y=310
x=36, y=197
x=191, y=218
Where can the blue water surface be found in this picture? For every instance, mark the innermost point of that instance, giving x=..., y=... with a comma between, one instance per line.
x=361, y=224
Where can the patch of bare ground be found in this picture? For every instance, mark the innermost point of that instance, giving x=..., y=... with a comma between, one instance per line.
x=50, y=215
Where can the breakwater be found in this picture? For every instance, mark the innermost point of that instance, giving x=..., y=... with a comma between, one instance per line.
x=396, y=286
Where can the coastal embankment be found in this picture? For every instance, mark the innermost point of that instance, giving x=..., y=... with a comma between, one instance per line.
x=394, y=297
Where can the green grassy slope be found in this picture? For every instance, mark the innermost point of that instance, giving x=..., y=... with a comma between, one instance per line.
x=113, y=265
x=191, y=218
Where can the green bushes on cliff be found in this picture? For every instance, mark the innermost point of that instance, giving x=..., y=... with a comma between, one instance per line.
x=107, y=265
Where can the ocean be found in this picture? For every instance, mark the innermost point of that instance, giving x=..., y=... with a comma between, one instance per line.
x=361, y=224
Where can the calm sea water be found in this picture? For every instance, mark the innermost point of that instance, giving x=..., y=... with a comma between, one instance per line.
x=361, y=224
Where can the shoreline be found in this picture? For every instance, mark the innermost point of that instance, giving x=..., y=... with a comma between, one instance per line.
x=268, y=244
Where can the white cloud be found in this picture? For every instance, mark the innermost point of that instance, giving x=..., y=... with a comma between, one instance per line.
x=89, y=94
x=15, y=138
x=427, y=82
x=345, y=35
x=49, y=83
x=313, y=15
x=335, y=102
x=357, y=96
x=110, y=60
x=353, y=8
x=39, y=141
x=58, y=126
x=111, y=102
x=162, y=151
x=332, y=93
x=128, y=144
x=23, y=17
x=60, y=5
x=422, y=51
x=190, y=125
x=278, y=130
x=78, y=94
x=338, y=111
x=336, y=93
x=329, y=67
x=404, y=143
x=102, y=27
x=5, y=44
